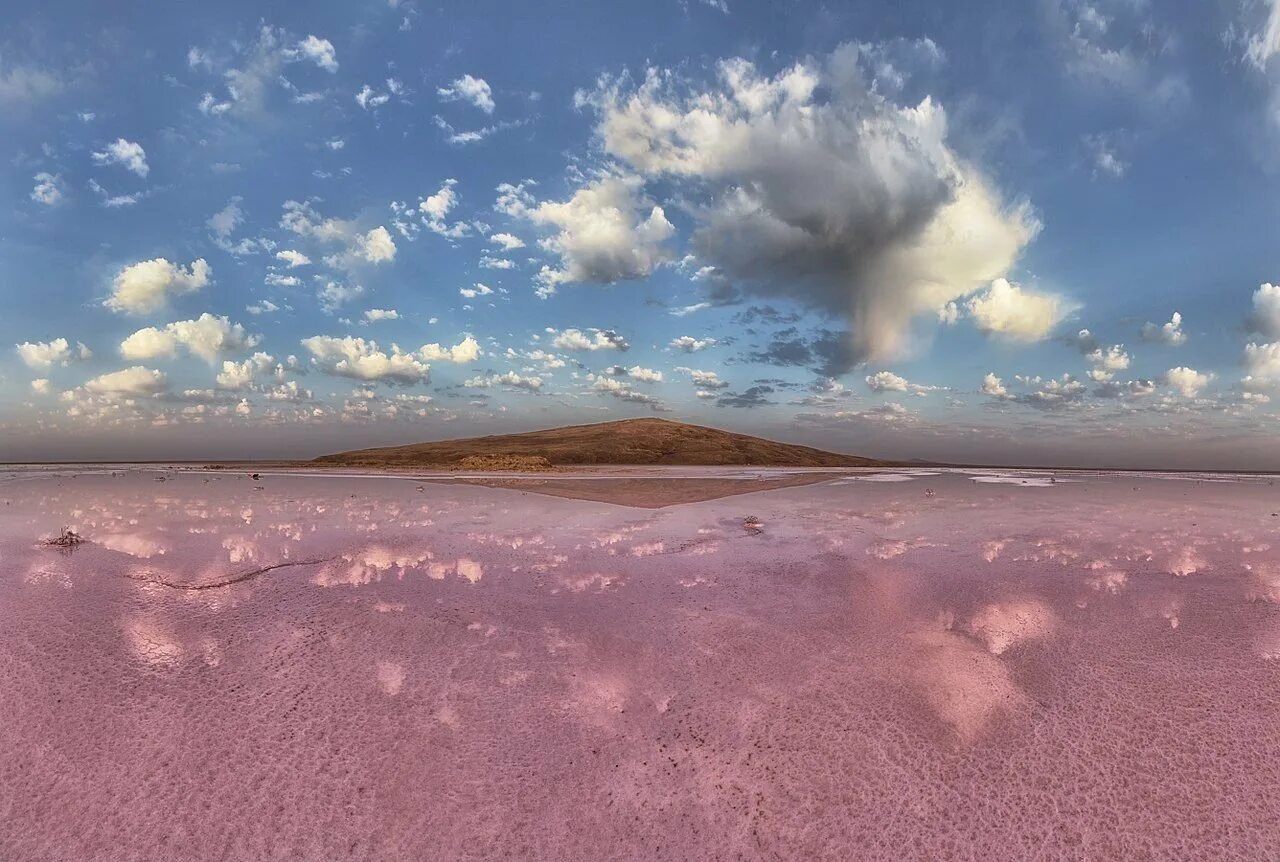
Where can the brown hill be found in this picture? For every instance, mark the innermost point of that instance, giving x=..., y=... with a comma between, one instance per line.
x=629, y=441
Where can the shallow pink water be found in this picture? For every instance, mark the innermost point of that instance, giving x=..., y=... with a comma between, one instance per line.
x=1085, y=670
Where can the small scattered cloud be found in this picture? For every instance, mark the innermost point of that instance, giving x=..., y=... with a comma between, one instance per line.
x=49, y=189
x=689, y=344
x=123, y=152
x=475, y=91
x=588, y=340
x=1165, y=333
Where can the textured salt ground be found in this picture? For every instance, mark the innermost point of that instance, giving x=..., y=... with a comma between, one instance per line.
x=994, y=671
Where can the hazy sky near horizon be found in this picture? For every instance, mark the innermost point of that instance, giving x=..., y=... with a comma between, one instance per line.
x=1039, y=233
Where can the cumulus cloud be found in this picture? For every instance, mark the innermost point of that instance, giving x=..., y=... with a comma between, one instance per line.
x=207, y=337
x=506, y=241
x=134, y=381
x=1187, y=381
x=435, y=207
x=374, y=246
x=127, y=153
x=41, y=386
x=704, y=380
x=591, y=339
x=1262, y=366
x=604, y=234
x=374, y=315
x=358, y=359
x=146, y=286
x=241, y=375
x=887, y=381
x=1266, y=311
x=510, y=379
x=368, y=97
x=637, y=372
x=1057, y=393
x=478, y=290
x=1168, y=333
x=1105, y=363
x=1009, y=311
x=466, y=350
x=260, y=66
x=689, y=344
x=814, y=186
x=41, y=355
x=469, y=89
x=994, y=387
x=431, y=212
x=293, y=258
x=621, y=390
x=48, y=189
x=319, y=51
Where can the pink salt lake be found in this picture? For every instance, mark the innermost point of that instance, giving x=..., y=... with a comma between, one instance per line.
x=325, y=668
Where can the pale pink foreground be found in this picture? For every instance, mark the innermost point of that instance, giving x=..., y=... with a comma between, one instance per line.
x=929, y=667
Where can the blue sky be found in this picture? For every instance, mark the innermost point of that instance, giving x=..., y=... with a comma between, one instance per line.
x=908, y=229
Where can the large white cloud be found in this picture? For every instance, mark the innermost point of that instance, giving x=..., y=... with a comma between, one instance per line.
x=1187, y=381
x=606, y=232
x=293, y=258
x=134, y=381
x=592, y=339
x=241, y=375
x=146, y=286
x=1010, y=311
x=127, y=153
x=41, y=355
x=816, y=187
x=359, y=359
x=466, y=350
x=376, y=246
x=1262, y=366
x=206, y=337
x=362, y=360
x=689, y=344
x=887, y=381
x=1266, y=310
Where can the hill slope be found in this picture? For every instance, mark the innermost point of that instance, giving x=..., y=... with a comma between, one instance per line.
x=629, y=441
